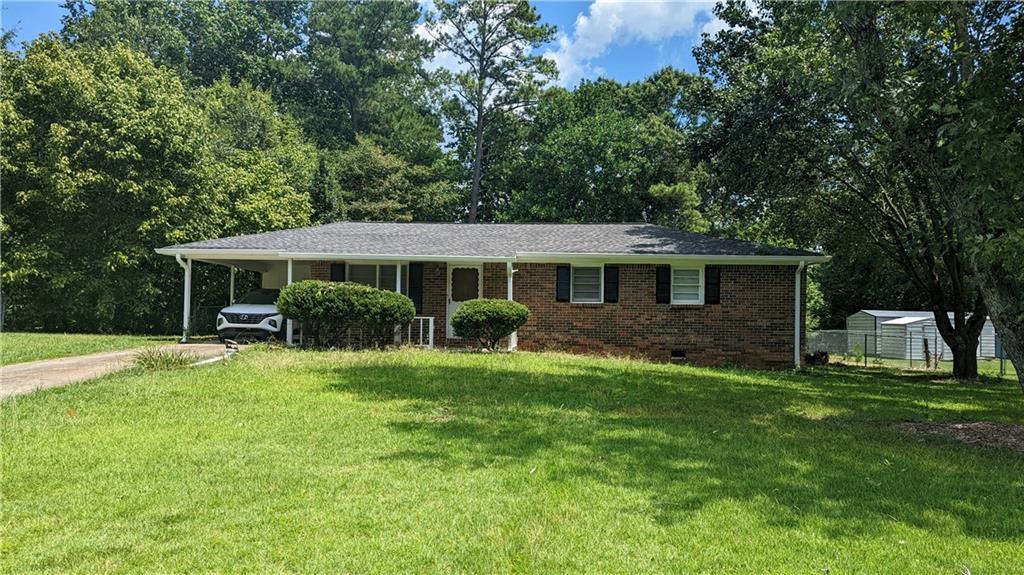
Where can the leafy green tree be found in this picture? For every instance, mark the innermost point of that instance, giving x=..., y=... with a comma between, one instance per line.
x=984, y=132
x=324, y=193
x=364, y=61
x=262, y=168
x=102, y=163
x=493, y=41
x=603, y=152
x=204, y=40
x=370, y=184
x=824, y=114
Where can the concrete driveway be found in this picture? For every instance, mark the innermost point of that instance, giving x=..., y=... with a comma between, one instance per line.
x=22, y=378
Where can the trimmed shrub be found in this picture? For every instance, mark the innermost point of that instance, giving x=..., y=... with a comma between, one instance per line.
x=329, y=311
x=489, y=320
x=378, y=312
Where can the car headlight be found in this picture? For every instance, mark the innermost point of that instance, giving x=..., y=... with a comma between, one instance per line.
x=220, y=320
x=272, y=323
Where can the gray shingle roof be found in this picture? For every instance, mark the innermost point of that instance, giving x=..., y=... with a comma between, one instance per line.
x=490, y=240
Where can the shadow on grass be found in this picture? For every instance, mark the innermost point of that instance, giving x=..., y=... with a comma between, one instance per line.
x=804, y=448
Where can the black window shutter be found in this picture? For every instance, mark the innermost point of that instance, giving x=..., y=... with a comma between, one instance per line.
x=416, y=285
x=663, y=284
x=563, y=275
x=712, y=285
x=337, y=272
x=611, y=284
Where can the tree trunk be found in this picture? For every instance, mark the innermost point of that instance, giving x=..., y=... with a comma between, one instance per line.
x=965, y=358
x=1006, y=307
x=962, y=335
x=478, y=160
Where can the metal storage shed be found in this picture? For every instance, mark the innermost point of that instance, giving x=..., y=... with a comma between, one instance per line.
x=864, y=327
x=867, y=332
x=906, y=337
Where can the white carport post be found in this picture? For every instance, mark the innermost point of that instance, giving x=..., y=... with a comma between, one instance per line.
x=398, y=289
x=186, y=306
x=231, y=289
x=513, y=339
x=290, y=332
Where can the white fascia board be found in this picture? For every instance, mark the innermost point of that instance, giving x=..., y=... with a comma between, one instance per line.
x=555, y=257
x=393, y=257
x=219, y=254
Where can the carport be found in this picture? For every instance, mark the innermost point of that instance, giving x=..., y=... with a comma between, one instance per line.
x=276, y=271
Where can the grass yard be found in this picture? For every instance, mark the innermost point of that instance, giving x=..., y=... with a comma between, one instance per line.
x=19, y=347
x=284, y=460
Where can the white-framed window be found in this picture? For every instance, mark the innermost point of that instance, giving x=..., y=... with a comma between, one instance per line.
x=587, y=285
x=382, y=276
x=688, y=285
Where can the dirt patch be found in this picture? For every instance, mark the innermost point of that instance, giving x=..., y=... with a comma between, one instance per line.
x=975, y=433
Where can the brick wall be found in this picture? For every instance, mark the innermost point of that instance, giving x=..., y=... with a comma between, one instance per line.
x=320, y=271
x=752, y=326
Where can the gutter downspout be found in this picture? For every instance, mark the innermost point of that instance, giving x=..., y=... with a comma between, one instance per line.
x=187, y=266
x=796, y=314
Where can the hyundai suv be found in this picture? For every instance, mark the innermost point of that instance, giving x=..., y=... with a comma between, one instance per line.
x=253, y=316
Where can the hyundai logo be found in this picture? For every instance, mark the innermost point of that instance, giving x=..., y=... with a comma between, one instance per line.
x=243, y=317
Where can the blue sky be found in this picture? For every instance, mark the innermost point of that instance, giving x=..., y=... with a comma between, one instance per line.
x=621, y=40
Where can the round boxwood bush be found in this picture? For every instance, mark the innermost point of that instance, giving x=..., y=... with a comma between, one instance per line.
x=329, y=311
x=489, y=320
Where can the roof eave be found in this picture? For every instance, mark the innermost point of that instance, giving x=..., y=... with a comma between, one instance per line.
x=523, y=257
x=734, y=259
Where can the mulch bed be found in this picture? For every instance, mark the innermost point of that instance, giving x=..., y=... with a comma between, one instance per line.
x=974, y=433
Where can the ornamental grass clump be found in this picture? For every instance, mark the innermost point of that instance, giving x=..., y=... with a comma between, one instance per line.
x=337, y=314
x=489, y=320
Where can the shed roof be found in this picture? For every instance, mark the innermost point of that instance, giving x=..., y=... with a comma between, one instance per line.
x=896, y=313
x=904, y=320
x=489, y=240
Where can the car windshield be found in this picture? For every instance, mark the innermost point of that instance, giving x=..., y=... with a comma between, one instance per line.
x=260, y=296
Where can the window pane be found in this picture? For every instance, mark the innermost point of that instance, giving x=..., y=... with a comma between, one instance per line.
x=363, y=274
x=680, y=293
x=465, y=284
x=685, y=285
x=387, y=277
x=586, y=284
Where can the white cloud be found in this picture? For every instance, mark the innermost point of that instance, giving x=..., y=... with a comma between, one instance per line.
x=610, y=22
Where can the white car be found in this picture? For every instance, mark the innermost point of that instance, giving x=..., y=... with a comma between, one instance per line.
x=254, y=315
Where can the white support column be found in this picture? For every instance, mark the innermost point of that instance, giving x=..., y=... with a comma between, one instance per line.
x=291, y=328
x=796, y=315
x=187, y=296
x=398, y=289
x=231, y=289
x=513, y=340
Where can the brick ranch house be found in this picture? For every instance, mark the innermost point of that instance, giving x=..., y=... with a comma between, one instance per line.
x=625, y=289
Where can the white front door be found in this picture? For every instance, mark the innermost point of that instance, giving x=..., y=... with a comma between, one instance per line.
x=465, y=282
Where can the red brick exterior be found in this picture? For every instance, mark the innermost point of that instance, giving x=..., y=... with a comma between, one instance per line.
x=752, y=326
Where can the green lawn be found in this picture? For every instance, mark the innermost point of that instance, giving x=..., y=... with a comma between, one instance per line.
x=20, y=347
x=291, y=461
